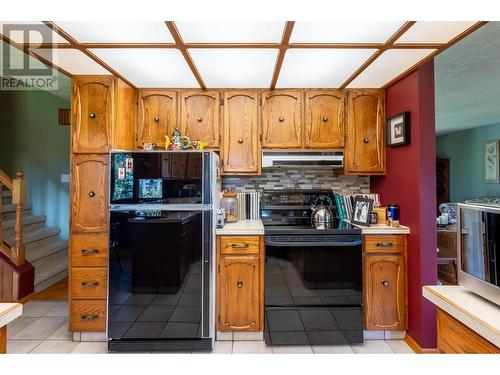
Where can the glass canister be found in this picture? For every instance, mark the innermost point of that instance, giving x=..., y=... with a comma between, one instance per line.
x=229, y=202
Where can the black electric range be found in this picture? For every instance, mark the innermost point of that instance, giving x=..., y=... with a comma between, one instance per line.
x=313, y=279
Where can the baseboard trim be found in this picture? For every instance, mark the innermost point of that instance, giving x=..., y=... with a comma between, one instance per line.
x=417, y=348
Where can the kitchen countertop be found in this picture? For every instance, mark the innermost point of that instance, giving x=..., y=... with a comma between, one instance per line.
x=475, y=312
x=242, y=227
x=9, y=312
x=382, y=229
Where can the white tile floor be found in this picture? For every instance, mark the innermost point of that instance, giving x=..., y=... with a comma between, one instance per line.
x=43, y=329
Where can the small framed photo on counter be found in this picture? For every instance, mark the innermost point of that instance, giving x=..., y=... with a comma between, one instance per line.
x=398, y=130
x=361, y=214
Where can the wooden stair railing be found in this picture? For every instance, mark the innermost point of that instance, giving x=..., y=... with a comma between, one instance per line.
x=18, y=187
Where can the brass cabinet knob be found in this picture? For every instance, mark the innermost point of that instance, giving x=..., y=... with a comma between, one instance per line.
x=199, y=119
x=89, y=317
x=92, y=115
x=91, y=194
x=239, y=284
x=365, y=140
x=157, y=118
x=281, y=119
x=89, y=251
x=324, y=119
x=384, y=244
x=90, y=284
x=385, y=282
x=240, y=141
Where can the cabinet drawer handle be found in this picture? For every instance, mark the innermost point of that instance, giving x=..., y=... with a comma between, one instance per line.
x=384, y=244
x=241, y=245
x=90, y=284
x=240, y=141
x=91, y=194
x=239, y=284
x=325, y=119
x=199, y=119
x=157, y=118
x=92, y=116
x=89, y=316
x=385, y=283
x=365, y=140
x=89, y=251
x=281, y=119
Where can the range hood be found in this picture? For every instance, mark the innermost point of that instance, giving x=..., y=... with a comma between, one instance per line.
x=312, y=159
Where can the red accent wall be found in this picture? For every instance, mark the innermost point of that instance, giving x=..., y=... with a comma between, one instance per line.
x=411, y=182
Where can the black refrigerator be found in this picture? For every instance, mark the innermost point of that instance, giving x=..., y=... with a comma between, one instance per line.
x=161, y=290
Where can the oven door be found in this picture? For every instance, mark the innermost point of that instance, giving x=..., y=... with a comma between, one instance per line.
x=313, y=290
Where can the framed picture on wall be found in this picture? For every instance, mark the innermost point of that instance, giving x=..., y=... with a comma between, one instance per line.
x=398, y=130
x=491, y=162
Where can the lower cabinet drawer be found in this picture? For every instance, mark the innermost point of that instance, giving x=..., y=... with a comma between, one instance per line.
x=88, y=282
x=234, y=245
x=88, y=316
x=385, y=243
x=89, y=250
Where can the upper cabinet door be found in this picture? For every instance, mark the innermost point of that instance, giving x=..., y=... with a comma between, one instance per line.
x=325, y=119
x=200, y=117
x=89, y=193
x=92, y=114
x=241, y=150
x=157, y=116
x=281, y=119
x=365, y=149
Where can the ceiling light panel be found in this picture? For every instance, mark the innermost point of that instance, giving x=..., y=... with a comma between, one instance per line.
x=235, y=67
x=118, y=31
x=149, y=67
x=434, y=32
x=320, y=68
x=38, y=33
x=344, y=32
x=72, y=60
x=231, y=32
x=388, y=66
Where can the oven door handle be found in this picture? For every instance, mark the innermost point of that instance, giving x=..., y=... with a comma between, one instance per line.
x=314, y=243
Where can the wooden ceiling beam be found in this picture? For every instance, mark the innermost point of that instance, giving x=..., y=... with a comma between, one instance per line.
x=179, y=43
x=442, y=48
x=26, y=50
x=285, y=41
x=76, y=45
x=406, y=26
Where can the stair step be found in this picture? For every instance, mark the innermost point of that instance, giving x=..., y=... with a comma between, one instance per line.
x=51, y=281
x=9, y=211
x=29, y=222
x=36, y=235
x=49, y=266
x=6, y=197
x=38, y=251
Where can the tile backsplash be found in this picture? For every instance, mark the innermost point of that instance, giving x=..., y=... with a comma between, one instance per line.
x=299, y=179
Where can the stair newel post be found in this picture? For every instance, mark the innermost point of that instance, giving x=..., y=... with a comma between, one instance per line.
x=18, y=198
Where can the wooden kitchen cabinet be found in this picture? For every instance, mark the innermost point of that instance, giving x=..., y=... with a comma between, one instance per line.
x=92, y=113
x=240, y=283
x=157, y=116
x=241, y=151
x=282, y=119
x=324, y=119
x=365, y=145
x=200, y=116
x=89, y=193
x=384, y=286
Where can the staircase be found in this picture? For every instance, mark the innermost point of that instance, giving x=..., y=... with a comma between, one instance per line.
x=44, y=248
